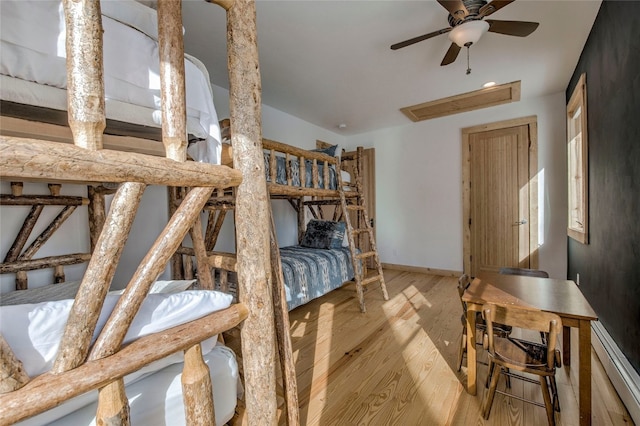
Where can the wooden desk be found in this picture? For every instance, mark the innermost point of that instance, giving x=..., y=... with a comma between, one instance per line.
x=561, y=297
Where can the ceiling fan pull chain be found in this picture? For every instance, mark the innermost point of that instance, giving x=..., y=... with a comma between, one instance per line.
x=468, y=67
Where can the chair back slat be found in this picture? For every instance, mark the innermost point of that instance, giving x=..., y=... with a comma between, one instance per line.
x=526, y=319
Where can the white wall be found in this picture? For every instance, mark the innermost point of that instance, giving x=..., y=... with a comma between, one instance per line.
x=72, y=235
x=419, y=185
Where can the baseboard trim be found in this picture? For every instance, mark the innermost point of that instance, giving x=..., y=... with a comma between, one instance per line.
x=432, y=271
x=623, y=376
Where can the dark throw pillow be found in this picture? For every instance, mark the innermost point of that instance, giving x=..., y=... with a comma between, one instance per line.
x=323, y=234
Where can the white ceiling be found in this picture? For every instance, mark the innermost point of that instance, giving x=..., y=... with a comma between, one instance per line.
x=330, y=62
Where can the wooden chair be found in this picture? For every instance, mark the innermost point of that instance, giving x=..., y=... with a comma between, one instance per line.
x=528, y=273
x=499, y=329
x=521, y=355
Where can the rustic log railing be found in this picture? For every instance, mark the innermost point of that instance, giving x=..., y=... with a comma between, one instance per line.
x=86, y=161
x=19, y=260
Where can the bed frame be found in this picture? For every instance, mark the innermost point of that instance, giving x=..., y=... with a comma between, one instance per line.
x=320, y=201
x=80, y=366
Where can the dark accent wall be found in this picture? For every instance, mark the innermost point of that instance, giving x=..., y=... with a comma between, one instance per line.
x=609, y=266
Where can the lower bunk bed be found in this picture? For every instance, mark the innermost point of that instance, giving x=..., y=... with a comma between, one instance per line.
x=310, y=273
x=156, y=398
x=320, y=263
x=32, y=323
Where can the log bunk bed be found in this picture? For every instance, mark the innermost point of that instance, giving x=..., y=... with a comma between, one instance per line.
x=307, y=179
x=98, y=345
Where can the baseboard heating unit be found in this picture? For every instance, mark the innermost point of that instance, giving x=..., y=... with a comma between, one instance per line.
x=623, y=376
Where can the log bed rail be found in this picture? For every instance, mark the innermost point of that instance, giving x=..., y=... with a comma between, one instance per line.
x=79, y=366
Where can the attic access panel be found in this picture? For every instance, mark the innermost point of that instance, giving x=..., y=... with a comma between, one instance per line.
x=483, y=98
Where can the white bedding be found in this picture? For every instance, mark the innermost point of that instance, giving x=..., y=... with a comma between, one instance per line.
x=32, y=41
x=157, y=399
x=34, y=330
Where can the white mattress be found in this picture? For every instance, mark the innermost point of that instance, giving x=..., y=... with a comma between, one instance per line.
x=33, y=67
x=157, y=399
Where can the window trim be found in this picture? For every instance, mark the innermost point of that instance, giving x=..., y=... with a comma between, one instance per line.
x=577, y=164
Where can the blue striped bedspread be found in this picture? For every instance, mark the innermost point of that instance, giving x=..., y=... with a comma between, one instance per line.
x=310, y=272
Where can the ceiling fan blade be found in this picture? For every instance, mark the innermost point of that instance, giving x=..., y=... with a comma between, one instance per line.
x=513, y=28
x=456, y=8
x=418, y=39
x=451, y=54
x=495, y=5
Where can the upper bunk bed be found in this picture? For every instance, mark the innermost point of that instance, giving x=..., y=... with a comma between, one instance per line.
x=32, y=153
x=33, y=78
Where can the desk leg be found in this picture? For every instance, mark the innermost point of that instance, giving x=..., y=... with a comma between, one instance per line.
x=584, y=353
x=472, y=371
x=566, y=345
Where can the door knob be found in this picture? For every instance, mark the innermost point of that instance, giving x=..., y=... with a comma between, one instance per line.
x=521, y=222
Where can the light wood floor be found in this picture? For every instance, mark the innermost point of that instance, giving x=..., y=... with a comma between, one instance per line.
x=396, y=364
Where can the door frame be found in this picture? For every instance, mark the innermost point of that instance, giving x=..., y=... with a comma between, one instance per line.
x=532, y=122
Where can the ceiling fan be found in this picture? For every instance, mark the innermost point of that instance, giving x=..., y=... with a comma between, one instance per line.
x=467, y=25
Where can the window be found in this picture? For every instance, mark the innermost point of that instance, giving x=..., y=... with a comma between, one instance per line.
x=577, y=162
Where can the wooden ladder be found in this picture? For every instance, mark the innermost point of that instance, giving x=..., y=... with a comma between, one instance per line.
x=356, y=202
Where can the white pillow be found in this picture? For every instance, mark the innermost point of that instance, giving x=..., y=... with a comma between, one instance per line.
x=34, y=331
x=134, y=14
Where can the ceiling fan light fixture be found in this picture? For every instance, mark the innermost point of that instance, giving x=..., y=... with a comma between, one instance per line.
x=468, y=32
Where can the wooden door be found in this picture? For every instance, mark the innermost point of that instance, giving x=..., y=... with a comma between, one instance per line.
x=502, y=200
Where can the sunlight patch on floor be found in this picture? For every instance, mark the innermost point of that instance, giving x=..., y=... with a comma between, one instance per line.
x=419, y=351
x=323, y=362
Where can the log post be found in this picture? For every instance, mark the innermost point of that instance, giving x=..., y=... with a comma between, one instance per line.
x=303, y=172
x=301, y=218
x=172, y=86
x=22, y=281
x=113, y=405
x=205, y=280
x=177, y=266
x=58, y=270
x=251, y=215
x=188, y=267
x=85, y=85
x=16, y=188
x=197, y=390
x=224, y=280
x=96, y=210
x=12, y=374
x=273, y=167
x=283, y=331
x=214, y=227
